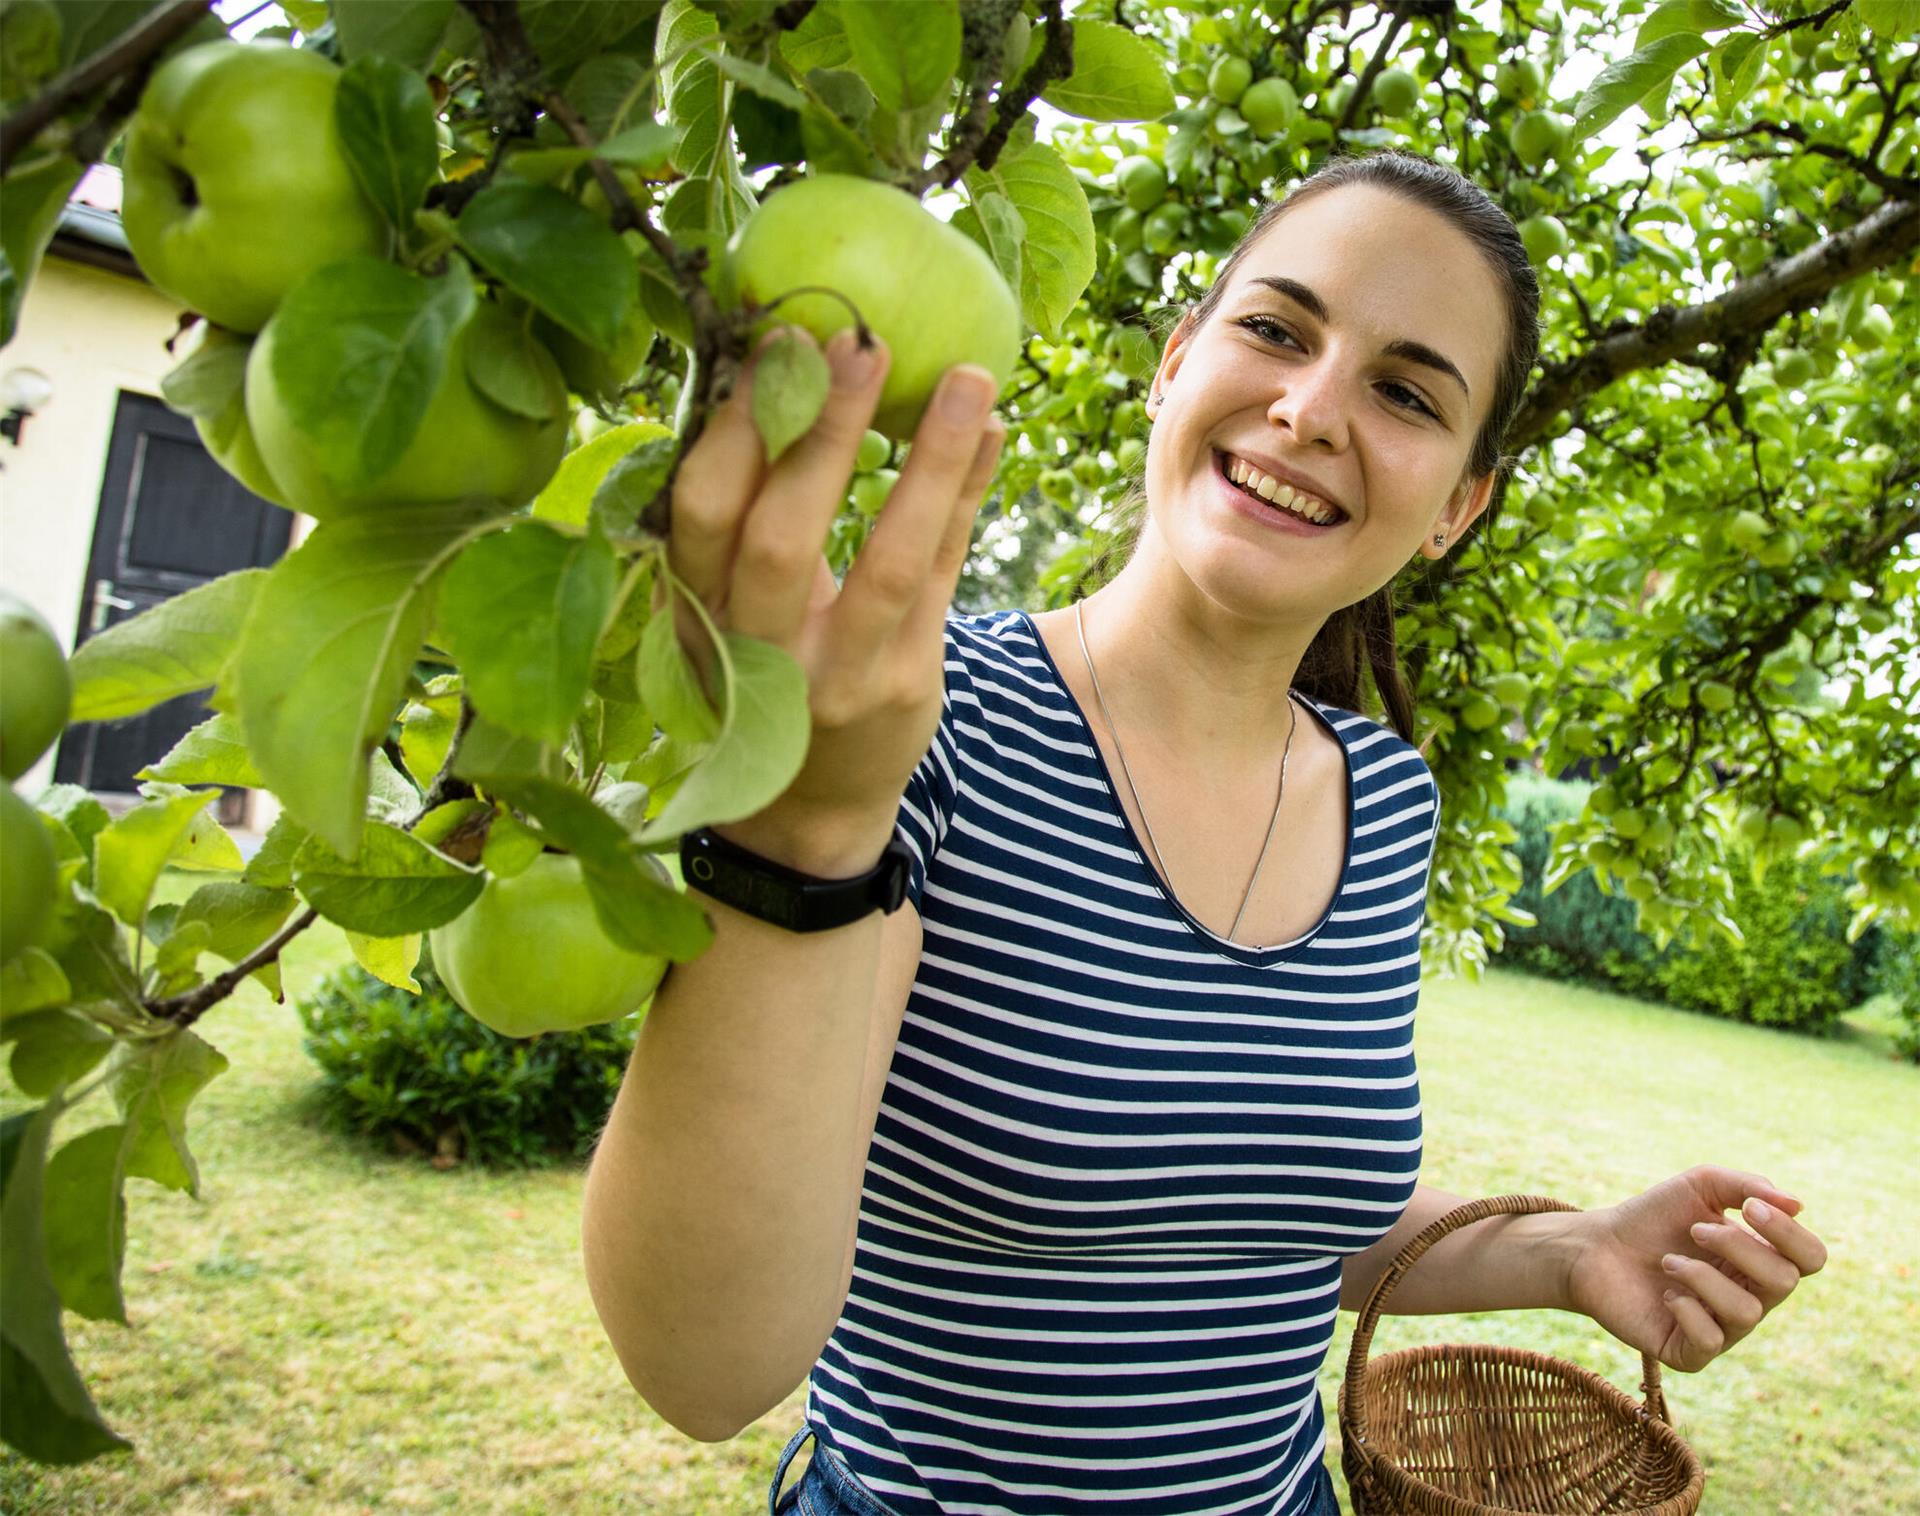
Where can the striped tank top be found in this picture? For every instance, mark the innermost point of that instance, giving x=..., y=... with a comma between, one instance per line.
x=1118, y=1158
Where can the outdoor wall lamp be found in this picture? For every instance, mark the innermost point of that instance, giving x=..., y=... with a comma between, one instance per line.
x=22, y=392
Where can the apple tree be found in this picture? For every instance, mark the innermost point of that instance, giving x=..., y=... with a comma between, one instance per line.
x=462, y=280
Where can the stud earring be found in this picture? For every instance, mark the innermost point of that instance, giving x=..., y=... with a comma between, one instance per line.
x=1440, y=539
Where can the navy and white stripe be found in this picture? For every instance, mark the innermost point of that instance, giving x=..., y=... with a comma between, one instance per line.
x=1118, y=1159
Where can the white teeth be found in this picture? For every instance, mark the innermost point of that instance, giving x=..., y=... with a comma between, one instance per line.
x=1276, y=493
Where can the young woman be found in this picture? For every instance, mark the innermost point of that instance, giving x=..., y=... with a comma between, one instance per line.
x=1050, y=1179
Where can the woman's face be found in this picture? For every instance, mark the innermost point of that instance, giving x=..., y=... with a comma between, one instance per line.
x=1355, y=350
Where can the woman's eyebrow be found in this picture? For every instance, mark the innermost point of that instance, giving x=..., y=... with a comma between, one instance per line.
x=1400, y=347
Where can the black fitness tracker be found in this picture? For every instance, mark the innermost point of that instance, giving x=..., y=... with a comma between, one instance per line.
x=774, y=893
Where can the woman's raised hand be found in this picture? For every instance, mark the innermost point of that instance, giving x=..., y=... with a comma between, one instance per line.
x=748, y=538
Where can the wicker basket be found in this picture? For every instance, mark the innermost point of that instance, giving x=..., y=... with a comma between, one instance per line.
x=1464, y=1429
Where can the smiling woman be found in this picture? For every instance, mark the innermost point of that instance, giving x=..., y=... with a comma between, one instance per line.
x=1047, y=1148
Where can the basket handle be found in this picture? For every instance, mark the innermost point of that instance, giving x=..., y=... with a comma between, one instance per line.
x=1475, y=1210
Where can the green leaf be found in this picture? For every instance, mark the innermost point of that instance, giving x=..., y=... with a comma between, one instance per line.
x=46, y=1413
x=1675, y=16
x=1117, y=76
x=491, y=749
x=690, y=86
x=568, y=495
x=272, y=863
x=633, y=896
x=395, y=885
x=504, y=363
x=760, y=748
x=358, y=350
x=606, y=91
x=669, y=685
x=1736, y=66
x=31, y=199
x=153, y=1083
x=408, y=34
x=1058, y=255
x=175, y=964
x=214, y=752
x=76, y=809
x=520, y=611
x=31, y=981
x=55, y=1048
x=630, y=485
x=129, y=855
x=996, y=225
x=790, y=385
x=326, y=654
x=546, y=246
x=511, y=846
x=427, y=727
x=307, y=16
x=762, y=80
x=207, y=844
x=908, y=51
x=86, y=1223
x=209, y=380
x=1889, y=18
x=385, y=118
x=389, y=959
x=176, y=648
x=1624, y=84
x=563, y=33
x=29, y=48
x=239, y=916
x=819, y=41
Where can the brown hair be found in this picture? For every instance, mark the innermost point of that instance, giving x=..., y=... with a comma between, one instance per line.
x=1331, y=670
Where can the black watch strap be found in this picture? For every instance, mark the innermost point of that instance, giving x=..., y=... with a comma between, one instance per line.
x=786, y=897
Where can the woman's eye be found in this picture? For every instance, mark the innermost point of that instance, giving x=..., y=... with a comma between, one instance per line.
x=1267, y=327
x=1413, y=396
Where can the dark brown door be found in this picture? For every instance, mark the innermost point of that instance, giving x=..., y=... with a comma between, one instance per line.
x=170, y=519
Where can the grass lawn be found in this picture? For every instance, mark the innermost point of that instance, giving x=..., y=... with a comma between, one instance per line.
x=330, y=1328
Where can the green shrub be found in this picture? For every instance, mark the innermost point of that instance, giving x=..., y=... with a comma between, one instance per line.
x=1897, y=973
x=421, y=1073
x=1796, y=969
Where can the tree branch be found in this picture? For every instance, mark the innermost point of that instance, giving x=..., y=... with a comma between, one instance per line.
x=132, y=54
x=1889, y=233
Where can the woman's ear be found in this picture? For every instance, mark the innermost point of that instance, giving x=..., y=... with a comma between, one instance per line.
x=1170, y=361
x=1464, y=507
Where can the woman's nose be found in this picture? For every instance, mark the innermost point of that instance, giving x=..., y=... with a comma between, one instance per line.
x=1311, y=402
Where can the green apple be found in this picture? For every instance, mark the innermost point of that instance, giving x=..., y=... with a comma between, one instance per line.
x=926, y=289
x=467, y=448
x=1748, y=530
x=1480, y=712
x=1396, y=92
x=1162, y=229
x=1521, y=80
x=1545, y=238
x=228, y=436
x=1715, y=696
x=1143, y=183
x=235, y=182
x=36, y=691
x=530, y=956
x=1056, y=484
x=1512, y=690
x=1792, y=367
x=27, y=875
x=1229, y=78
x=874, y=452
x=870, y=491
x=1534, y=138
x=1270, y=107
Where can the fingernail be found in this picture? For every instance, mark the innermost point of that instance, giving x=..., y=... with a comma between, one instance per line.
x=1671, y=1296
x=852, y=363
x=1671, y=1261
x=965, y=395
x=1759, y=1211
x=1701, y=1230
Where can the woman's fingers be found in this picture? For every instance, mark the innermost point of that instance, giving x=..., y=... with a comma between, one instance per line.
x=895, y=566
x=1772, y=1275
x=715, y=484
x=781, y=539
x=1806, y=1252
x=1704, y=1339
x=1735, y=1308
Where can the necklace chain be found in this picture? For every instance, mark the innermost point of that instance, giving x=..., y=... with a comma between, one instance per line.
x=1081, y=623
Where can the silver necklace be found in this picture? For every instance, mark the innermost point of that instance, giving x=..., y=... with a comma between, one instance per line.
x=1080, y=622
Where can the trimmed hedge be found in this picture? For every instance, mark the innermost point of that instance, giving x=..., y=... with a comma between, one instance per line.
x=1796, y=970
x=419, y=1072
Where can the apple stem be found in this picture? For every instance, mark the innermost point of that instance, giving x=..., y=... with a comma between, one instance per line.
x=860, y=326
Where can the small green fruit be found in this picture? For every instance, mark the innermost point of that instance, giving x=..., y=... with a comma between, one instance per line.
x=1748, y=530
x=1630, y=823
x=1056, y=484
x=1270, y=107
x=1533, y=137
x=27, y=875
x=1512, y=690
x=1544, y=237
x=875, y=450
x=1480, y=712
x=1163, y=227
x=1792, y=367
x=1715, y=696
x=1520, y=80
x=1143, y=183
x=1229, y=79
x=1396, y=92
x=36, y=691
x=870, y=491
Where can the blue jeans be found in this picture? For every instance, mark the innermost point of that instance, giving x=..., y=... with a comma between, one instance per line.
x=829, y=1488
